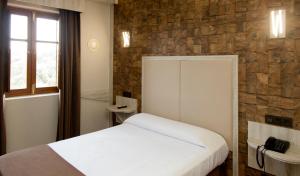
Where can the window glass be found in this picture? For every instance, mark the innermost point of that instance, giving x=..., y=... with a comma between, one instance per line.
x=47, y=30
x=19, y=27
x=18, y=51
x=46, y=64
x=18, y=62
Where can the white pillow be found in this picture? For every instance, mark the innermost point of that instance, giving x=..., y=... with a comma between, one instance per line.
x=182, y=131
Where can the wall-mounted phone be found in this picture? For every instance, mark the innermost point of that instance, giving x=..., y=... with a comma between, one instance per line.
x=277, y=145
x=273, y=144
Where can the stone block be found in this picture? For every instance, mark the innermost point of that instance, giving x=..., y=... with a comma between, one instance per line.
x=283, y=103
x=294, y=33
x=247, y=98
x=197, y=49
x=242, y=72
x=274, y=111
x=274, y=3
x=288, y=113
x=240, y=27
x=242, y=87
x=251, y=80
x=290, y=45
x=290, y=68
x=213, y=9
x=275, y=56
x=252, y=67
x=274, y=90
x=262, y=83
x=288, y=82
x=230, y=28
x=297, y=8
x=240, y=40
x=297, y=80
x=297, y=47
x=261, y=111
x=241, y=6
x=207, y=29
x=274, y=74
x=275, y=43
x=250, y=112
x=297, y=119
x=262, y=100
x=289, y=57
x=263, y=65
x=296, y=92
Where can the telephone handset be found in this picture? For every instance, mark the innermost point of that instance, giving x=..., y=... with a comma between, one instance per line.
x=273, y=144
x=277, y=145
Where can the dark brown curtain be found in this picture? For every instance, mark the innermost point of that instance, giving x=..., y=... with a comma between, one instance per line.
x=69, y=75
x=4, y=58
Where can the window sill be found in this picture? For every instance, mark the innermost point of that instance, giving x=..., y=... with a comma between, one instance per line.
x=31, y=96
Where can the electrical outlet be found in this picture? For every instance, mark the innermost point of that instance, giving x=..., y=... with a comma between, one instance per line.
x=127, y=94
x=279, y=121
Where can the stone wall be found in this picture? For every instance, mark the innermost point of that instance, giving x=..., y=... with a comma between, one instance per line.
x=269, y=69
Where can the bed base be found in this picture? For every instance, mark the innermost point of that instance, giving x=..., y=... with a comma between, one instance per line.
x=224, y=169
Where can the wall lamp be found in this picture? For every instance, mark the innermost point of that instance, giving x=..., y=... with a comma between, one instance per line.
x=126, y=39
x=277, y=23
x=93, y=44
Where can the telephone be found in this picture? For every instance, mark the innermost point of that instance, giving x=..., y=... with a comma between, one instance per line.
x=273, y=144
x=277, y=145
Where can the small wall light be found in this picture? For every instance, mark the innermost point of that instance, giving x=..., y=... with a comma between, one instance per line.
x=93, y=44
x=277, y=24
x=126, y=39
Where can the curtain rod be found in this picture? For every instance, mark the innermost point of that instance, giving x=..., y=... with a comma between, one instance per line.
x=33, y=7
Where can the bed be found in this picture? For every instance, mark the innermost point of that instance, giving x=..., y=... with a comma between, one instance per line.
x=144, y=145
x=188, y=127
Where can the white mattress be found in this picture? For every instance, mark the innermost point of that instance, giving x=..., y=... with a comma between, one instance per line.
x=128, y=150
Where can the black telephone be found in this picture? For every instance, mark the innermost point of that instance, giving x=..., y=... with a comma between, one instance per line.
x=273, y=144
x=277, y=145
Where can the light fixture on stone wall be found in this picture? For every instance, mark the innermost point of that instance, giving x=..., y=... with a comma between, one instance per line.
x=126, y=39
x=277, y=23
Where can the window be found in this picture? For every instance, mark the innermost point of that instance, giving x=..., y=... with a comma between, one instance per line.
x=34, y=47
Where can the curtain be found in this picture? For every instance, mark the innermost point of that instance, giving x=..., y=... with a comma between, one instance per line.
x=69, y=75
x=4, y=58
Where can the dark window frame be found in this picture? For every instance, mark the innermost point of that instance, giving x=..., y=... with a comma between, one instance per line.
x=31, y=54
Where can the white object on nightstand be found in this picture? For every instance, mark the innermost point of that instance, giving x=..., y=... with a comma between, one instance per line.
x=123, y=113
x=281, y=164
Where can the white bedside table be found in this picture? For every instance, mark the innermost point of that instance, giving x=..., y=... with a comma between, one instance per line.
x=122, y=114
x=281, y=164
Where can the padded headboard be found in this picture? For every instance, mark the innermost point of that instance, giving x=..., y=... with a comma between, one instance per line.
x=199, y=90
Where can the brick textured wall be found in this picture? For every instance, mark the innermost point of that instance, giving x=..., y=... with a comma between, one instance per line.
x=269, y=69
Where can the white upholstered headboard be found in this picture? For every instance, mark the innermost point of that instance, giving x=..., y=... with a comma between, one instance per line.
x=200, y=90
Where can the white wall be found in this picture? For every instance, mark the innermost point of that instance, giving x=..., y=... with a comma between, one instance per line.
x=32, y=120
x=95, y=66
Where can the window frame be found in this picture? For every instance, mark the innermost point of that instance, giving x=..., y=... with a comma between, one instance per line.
x=31, y=53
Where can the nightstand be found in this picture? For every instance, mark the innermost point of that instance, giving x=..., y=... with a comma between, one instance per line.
x=283, y=164
x=119, y=115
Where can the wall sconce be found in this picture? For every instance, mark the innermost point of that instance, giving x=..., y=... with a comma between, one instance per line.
x=93, y=44
x=277, y=23
x=126, y=39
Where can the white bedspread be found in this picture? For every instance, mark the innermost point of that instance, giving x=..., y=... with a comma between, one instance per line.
x=128, y=150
